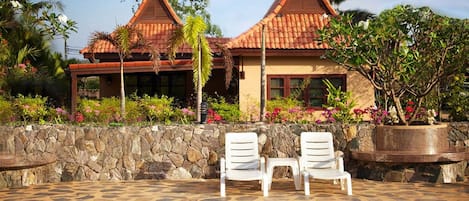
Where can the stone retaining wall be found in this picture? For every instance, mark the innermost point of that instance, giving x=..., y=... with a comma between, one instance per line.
x=166, y=152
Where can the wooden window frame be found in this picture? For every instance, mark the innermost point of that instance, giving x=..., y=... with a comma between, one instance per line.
x=287, y=87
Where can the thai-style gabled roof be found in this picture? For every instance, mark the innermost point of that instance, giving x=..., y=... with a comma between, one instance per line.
x=289, y=25
x=156, y=20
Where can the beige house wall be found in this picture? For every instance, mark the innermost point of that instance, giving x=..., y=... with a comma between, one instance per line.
x=249, y=88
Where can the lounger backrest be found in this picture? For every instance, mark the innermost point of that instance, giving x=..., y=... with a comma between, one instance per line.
x=241, y=151
x=317, y=150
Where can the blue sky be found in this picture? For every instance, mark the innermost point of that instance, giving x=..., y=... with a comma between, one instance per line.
x=233, y=16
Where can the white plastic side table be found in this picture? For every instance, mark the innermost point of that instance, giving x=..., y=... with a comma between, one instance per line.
x=292, y=162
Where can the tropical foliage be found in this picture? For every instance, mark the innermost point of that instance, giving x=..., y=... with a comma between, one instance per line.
x=192, y=33
x=339, y=104
x=27, y=64
x=125, y=38
x=404, y=53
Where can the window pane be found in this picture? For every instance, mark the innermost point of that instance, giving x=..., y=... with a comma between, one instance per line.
x=316, y=82
x=178, y=80
x=337, y=82
x=296, y=82
x=164, y=80
x=316, y=92
x=316, y=102
x=276, y=83
x=295, y=88
x=274, y=93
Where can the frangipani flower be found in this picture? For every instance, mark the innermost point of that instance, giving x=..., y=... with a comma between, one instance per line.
x=364, y=24
x=16, y=4
x=62, y=18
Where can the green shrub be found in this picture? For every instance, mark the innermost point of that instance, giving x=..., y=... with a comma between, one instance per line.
x=105, y=111
x=31, y=109
x=457, y=99
x=157, y=109
x=287, y=109
x=7, y=113
x=133, y=113
x=339, y=104
x=229, y=112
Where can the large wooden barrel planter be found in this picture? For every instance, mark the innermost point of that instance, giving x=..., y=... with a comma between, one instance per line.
x=412, y=144
x=424, y=139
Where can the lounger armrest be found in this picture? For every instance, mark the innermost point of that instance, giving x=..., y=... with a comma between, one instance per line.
x=301, y=164
x=222, y=165
x=339, y=157
x=262, y=159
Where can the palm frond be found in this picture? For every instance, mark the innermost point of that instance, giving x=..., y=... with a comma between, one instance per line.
x=97, y=37
x=194, y=27
x=228, y=63
x=175, y=41
x=147, y=46
x=25, y=52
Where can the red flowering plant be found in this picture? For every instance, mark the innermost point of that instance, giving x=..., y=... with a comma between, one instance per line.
x=274, y=116
x=213, y=117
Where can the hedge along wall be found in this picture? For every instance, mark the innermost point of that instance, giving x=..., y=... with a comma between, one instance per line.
x=168, y=152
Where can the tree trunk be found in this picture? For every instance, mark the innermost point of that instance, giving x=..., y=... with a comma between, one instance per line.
x=262, y=105
x=199, y=82
x=122, y=89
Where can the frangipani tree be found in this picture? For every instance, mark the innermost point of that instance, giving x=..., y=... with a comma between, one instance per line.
x=404, y=52
x=125, y=38
x=192, y=33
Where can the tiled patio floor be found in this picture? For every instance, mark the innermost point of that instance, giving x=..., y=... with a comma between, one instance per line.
x=282, y=189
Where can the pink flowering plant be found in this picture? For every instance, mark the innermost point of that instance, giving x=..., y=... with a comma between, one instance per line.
x=378, y=115
x=31, y=109
x=59, y=115
x=185, y=115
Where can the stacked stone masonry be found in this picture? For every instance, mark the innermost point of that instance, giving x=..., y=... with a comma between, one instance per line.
x=86, y=153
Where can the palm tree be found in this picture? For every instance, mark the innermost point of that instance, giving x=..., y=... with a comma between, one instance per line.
x=125, y=39
x=192, y=33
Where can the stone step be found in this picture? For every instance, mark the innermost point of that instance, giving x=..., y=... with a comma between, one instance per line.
x=453, y=154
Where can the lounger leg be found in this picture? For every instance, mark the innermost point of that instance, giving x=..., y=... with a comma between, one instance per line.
x=296, y=177
x=342, y=184
x=306, y=178
x=265, y=187
x=349, y=185
x=222, y=185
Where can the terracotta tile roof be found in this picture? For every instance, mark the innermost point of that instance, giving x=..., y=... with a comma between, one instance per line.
x=286, y=30
x=158, y=31
x=159, y=35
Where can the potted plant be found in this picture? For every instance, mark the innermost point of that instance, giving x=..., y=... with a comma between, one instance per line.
x=404, y=52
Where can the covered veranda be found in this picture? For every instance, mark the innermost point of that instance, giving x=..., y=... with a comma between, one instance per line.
x=107, y=69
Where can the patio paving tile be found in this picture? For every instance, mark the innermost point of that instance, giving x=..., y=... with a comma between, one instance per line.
x=208, y=190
